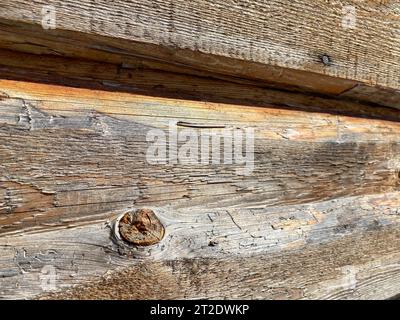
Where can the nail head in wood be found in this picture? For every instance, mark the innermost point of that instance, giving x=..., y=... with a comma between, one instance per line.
x=141, y=227
x=326, y=60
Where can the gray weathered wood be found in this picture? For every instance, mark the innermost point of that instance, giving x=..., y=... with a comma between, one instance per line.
x=317, y=218
x=345, y=248
x=275, y=41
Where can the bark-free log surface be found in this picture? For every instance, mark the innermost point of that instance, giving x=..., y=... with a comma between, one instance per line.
x=276, y=41
x=317, y=218
x=141, y=77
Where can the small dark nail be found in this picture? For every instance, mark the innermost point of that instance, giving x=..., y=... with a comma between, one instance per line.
x=141, y=227
x=326, y=60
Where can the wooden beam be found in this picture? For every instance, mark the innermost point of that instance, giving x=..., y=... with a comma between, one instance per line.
x=338, y=249
x=31, y=39
x=294, y=43
x=309, y=212
x=316, y=218
x=145, y=78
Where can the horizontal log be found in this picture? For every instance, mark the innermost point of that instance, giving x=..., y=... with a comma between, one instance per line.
x=143, y=78
x=93, y=145
x=336, y=249
x=28, y=38
x=317, y=217
x=322, y=48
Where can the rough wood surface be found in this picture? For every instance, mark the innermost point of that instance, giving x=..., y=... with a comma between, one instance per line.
x=343, y=249
x=265, y=40
x=144, y=77
x=317, y=218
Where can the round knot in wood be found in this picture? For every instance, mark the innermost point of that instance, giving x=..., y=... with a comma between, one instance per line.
x=141, y=228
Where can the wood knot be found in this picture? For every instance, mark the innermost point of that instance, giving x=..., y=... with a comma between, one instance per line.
x=141, y=227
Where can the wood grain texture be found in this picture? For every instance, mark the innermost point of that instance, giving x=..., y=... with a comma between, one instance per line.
x=143, y=78
x=287, y=35
x=28, y=38
x=338, y=249
x=378, y=96
x=317, y=218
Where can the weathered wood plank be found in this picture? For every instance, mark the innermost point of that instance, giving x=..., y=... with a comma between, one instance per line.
x=93, y=145
x=139, y=77
x=345, y=248
x=310, y=212
x=24, y=38
x=316, y=218
x=326, y=38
